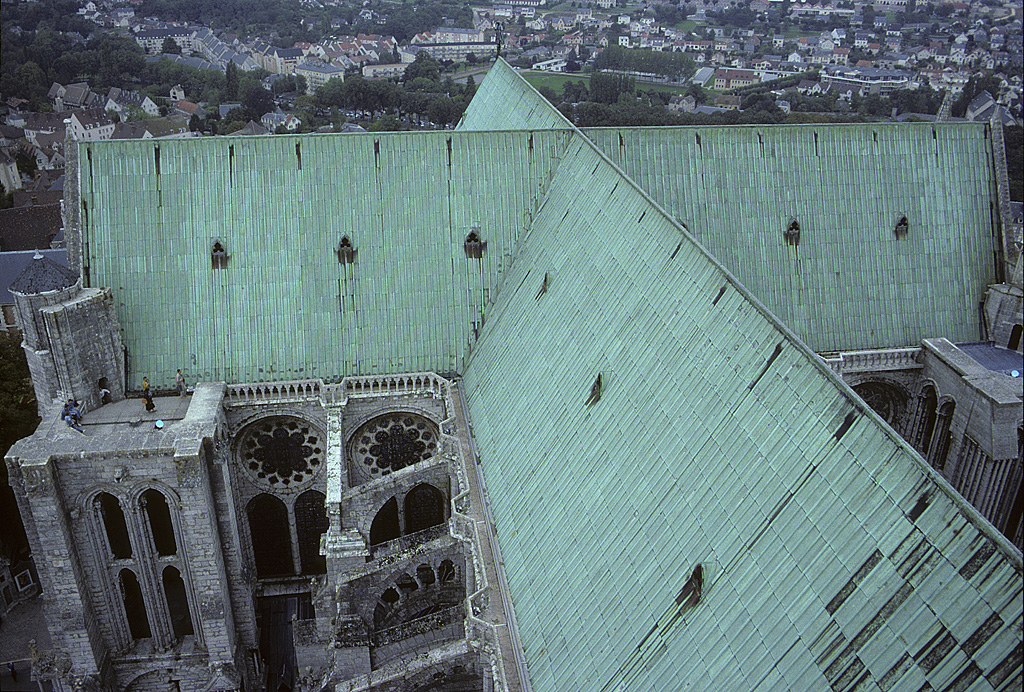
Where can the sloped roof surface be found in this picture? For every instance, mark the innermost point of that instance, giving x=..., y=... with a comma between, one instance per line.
x=42, y=274
x=830, y=555
x=504, y=101
x=851, y=283
x=284, y=307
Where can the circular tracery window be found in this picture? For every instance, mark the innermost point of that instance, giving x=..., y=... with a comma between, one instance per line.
x=392, y=442
x=281, y=452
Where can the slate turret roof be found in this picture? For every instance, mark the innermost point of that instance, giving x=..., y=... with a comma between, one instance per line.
x=43, y=275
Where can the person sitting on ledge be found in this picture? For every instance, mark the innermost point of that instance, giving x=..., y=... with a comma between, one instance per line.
x=71, y=415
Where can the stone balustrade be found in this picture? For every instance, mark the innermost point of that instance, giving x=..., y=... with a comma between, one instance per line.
x=421, y=625
x=885, y=359
x=292, y=391
x=397, y=545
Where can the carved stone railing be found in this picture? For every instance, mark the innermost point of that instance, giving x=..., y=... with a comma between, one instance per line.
x=422, y=625
x=274, y=392
x=397, y=545
x=305, y=391
x=880, y=360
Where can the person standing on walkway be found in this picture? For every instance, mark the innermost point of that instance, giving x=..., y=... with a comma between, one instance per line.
x=181, y=383
x=147, y=395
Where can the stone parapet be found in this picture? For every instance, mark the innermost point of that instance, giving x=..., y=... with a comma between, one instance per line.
x=879, y=360
x=289, y=391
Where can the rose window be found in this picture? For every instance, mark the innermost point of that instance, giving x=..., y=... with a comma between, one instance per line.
x=282, y=452
x=392, y=442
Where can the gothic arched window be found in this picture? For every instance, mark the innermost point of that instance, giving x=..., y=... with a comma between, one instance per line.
x=115, y=526
x=385, y=525
x=134, y=605
x=177, y=603
x=271, y=536
x=928, y=402
x=160, y=522
x=311, y=522
x=424, y=507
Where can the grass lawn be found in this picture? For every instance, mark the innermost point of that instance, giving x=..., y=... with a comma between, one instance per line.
x=686, y=25
x=556, y=80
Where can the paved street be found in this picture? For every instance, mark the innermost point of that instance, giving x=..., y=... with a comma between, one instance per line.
x=22, y=624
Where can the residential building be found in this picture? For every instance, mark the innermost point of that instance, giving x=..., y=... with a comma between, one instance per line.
x=317, y=74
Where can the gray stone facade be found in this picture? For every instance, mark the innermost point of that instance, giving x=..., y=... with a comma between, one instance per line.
x=165, y=548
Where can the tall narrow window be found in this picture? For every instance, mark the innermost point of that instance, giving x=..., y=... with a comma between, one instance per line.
x=134, y=606
x=385, y=525
x=177, y=603
x=115, y=526
x=271, y=536
x=311, y=522
x=424, y=507
x=941, y=436
x=927, y=405
x=160, y=522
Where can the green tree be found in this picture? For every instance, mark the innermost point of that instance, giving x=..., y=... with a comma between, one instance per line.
x=423, y=66
x=256, y=101
x=607, y=88
x=170, y=46
x=231, y=82
x=18, y=419
x=331, y=94
x=975, y=85
x=386, y=123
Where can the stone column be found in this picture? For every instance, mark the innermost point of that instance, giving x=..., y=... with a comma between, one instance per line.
x=78, y=648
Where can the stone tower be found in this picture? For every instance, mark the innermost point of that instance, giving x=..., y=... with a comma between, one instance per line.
x=72, y=338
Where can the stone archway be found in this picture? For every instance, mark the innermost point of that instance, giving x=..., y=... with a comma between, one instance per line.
x=886, y=399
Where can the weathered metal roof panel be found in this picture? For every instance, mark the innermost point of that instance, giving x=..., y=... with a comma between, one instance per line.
x=831, y=554
x=505, y=101
x=850, y=283
x=284, y=307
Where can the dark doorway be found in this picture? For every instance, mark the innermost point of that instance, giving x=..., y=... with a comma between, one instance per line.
x=310, y=523
x=277, y=646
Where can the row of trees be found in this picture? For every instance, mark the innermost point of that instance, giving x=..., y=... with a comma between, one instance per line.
x=666, y=64
x=423, y=95
x=287, y=21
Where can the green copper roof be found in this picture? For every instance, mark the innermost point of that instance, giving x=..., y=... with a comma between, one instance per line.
x=831, y=556
x=284, y=307
x=851, y=282
x=505, y=101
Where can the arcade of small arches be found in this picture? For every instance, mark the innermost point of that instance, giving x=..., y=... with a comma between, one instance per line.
x=924, y=421
x=144, y=566
x=422, y=508
x=412, y=596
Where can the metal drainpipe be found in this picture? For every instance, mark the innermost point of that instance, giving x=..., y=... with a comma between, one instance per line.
x=506, y=598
